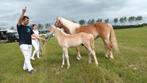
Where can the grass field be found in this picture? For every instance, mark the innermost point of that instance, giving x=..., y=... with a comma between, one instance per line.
x=130, y=66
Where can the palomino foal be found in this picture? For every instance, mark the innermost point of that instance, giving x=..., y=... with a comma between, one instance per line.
x=73, y=40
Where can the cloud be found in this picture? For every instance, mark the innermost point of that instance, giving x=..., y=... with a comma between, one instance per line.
x=74, y=9
x=47, y=10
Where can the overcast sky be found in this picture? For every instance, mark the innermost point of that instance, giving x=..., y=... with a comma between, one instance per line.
x=43, y=11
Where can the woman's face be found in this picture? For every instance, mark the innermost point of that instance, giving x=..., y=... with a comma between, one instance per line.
x=35, y=27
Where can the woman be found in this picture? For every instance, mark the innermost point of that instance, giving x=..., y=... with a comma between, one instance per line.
x=35, y=42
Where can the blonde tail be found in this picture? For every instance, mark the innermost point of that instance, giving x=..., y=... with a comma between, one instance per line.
x=113, y=39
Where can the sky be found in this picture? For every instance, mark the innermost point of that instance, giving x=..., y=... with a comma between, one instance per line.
x=45, y=11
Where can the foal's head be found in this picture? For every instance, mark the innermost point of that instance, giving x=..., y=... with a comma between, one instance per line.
x=55, y=30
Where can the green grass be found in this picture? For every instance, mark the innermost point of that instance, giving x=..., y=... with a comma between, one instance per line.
x=130, y=66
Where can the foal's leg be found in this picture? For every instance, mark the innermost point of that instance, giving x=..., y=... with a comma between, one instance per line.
x=94, y=56
x=92, y=52
x=78, y=53
x=67, y=57
x=63, y=60
x=90, y=57
x=89, y=54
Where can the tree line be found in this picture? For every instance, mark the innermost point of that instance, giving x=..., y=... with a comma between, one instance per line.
x=121, y=20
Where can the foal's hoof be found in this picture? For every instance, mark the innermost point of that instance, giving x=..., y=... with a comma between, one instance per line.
x=32, y=58
x=111, y=57
x=68, y=67
x=38, y=57
x=78, y=58
x=106, y=56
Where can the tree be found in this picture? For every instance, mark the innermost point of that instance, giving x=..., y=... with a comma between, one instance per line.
x=107, y=20
x=92, y=21
x=131, y=18
x=125, y=19
x=47, y=25
x=99, y=20
x=139, y=18
x=82, y=21
x=40, y=26
x=12, y=28
x=115, y=20
x=121, y=20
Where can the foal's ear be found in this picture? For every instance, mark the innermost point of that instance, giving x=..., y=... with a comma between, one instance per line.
x=49, y=29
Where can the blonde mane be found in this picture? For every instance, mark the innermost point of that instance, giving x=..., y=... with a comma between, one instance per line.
x=70, y=24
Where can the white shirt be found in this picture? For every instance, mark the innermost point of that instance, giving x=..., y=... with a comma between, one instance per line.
x=36, y=32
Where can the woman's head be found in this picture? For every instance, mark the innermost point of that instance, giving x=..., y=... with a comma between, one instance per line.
x=34, y=26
